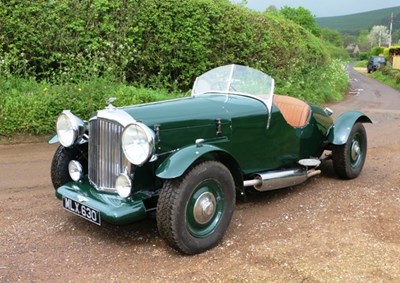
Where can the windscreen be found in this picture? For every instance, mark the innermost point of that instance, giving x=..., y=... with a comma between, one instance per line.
x=234, y=79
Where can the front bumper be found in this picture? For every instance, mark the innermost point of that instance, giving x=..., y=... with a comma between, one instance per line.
x=112, y=208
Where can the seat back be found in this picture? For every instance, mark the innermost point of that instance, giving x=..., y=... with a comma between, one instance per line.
x=295, y=111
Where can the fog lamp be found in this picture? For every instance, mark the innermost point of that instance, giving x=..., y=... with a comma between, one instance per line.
x=75, y=170
x=123, y=185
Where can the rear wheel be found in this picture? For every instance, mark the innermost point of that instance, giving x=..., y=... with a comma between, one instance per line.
x=194, y=211
x=349, y=158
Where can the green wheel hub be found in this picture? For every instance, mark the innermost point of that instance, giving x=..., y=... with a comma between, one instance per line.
x=205, y=208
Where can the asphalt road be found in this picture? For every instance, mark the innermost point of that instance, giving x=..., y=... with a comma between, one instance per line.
x=326, y=230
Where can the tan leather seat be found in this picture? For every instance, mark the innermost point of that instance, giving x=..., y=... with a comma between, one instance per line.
x=295, y=111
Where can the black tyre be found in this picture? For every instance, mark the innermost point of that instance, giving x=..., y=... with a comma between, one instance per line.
x=349, y=158
x=62, y=157
x=194, y=211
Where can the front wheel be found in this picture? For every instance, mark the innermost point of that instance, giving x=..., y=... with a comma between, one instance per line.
x=59, y=165
x=194, y=211
x=349, y=158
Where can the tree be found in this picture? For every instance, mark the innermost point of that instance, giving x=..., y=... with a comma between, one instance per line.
x=302, y=17
x=379, y=36
x=332, y=36
x=271, y=8
x=396, y=37
x=241, y=2
x=361, y=39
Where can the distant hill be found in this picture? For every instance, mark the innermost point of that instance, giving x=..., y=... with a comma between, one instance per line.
x=353, y=23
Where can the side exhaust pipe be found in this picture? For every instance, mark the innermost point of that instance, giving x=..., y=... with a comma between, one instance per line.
x=280, y=179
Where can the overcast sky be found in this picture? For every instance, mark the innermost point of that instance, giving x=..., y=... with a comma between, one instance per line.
x=326, y=8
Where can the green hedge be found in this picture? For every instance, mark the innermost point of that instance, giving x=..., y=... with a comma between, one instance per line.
x=156, y=43
x=376, y=51
x=73, y=54
x=27, y=106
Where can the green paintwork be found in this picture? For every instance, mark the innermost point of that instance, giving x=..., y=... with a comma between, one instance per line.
x=340, y=131
x=177, y=163
x=112, y=208
x=245, y=135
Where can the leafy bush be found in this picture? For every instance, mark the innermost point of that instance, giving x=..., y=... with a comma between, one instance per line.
x=27, y=106
x=397, y=78
x=388, y=76
x=391, y=51
x=337, y=52
x=319, y=84
x=73, y=54
x=364, y=56
x=302, y=17
x=385, y=70
x=149, y=42
x=376, y=51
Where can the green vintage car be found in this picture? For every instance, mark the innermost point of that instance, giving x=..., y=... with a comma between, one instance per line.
x=187, y=159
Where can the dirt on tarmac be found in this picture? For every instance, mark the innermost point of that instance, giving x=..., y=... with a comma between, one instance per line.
x=325, y=230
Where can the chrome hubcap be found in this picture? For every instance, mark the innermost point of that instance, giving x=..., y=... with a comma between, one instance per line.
x=355, y=150
x=204, y=208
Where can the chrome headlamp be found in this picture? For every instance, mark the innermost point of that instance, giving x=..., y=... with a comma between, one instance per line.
x=138, y=143
x=69, y=128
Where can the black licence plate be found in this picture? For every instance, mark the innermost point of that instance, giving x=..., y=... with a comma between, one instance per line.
x=82, y=210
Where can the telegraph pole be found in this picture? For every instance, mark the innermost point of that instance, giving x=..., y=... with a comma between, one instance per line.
x=390, y=30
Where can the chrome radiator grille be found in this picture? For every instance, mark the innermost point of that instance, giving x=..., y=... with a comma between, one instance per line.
x=106, y=159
